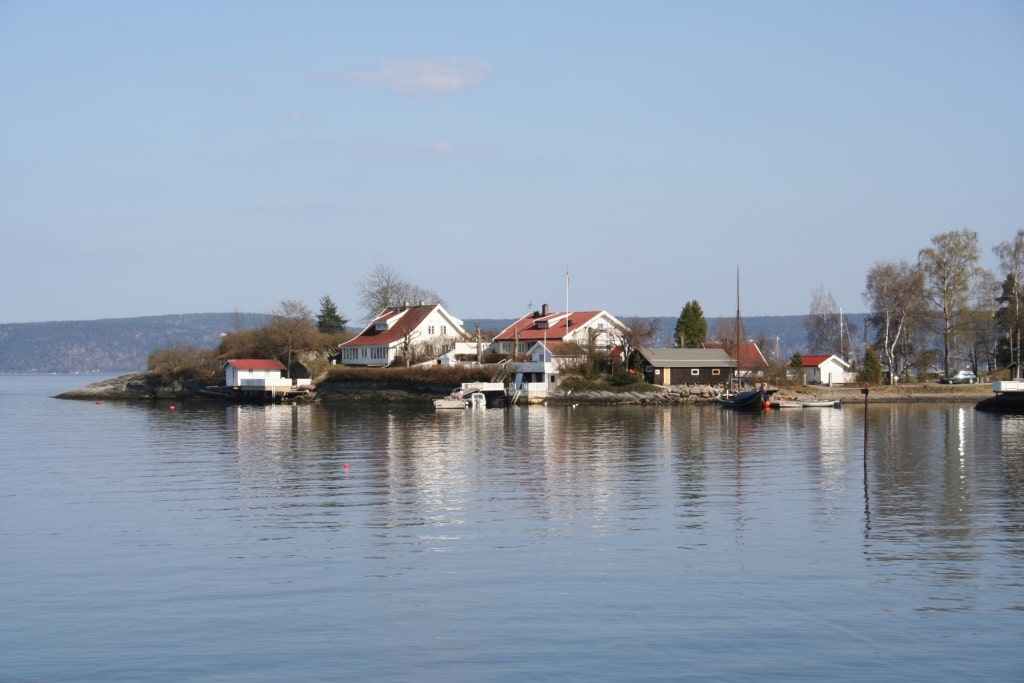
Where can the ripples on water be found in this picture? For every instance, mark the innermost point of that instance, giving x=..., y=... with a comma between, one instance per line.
x=362, y=542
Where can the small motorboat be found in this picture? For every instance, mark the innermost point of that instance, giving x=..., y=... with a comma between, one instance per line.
x=454, y=400
x=822, y=404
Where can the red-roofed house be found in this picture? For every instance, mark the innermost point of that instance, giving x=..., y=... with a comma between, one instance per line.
x=259, y=379
x=410, y=332
x=543, y=343
x=599, y=330
x=826, y=369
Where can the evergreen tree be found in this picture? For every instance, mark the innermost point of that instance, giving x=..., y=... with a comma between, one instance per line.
x=872, y=367
x=329, y=321
x=691, y=327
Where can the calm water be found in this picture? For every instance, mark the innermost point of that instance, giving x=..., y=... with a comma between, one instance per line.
x=215, y=543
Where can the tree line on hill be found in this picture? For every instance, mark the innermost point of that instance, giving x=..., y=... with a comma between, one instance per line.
x=123, y=345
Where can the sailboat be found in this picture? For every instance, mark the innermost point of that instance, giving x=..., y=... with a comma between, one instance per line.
x=755, y=398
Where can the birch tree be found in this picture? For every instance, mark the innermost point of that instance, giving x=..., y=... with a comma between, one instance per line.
x=949, y=266
x=894, y=292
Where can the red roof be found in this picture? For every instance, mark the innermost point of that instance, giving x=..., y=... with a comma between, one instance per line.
x=814, y=361
x=256, y=364
x=553, y=326
x=410, y=319
x=750, y=354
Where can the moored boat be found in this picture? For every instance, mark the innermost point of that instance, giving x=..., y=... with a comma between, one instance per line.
x=455, y=400
x=787, y=403
x=822, y=404
x=745, y=399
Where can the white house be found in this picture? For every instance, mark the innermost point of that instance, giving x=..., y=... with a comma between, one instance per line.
x=536, y=374
x=830, y=369
x=541, y=344
x=423, y=331
x=599, y=330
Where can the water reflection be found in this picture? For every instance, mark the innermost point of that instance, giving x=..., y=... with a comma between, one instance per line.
x=938, y=482
x=935, y=475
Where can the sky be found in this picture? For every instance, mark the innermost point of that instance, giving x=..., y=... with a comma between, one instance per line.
x=186, y=157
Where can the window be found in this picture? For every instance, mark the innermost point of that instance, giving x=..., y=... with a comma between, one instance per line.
x=430, y=330
x=715, y=372
x=695, y=372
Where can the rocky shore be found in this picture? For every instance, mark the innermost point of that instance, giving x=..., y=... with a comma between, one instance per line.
x=907, y=393
x=144, y=386
x=139, y=386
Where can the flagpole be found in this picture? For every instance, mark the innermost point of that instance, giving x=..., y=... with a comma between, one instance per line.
x=567, y=321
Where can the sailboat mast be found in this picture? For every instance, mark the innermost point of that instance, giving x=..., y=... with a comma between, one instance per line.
x=739, y=325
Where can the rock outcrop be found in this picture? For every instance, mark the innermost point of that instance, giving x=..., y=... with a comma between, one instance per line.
x=135, y=386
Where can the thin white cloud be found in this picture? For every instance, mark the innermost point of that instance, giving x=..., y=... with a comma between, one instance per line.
x=420, y=77
x=442, y=149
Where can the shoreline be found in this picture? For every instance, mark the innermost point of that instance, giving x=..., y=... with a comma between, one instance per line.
x=142, y=386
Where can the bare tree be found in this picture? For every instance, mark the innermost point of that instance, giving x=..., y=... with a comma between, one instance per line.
x=894, y=293
x=1011, y=263
x=823, y=324
x=981, y=320
x=384, y=287
x=291, y=327
x=950, y=266
x=637, y=332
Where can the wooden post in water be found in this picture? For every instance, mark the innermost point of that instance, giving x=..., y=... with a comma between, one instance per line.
x=865, y=392
x=867, y=496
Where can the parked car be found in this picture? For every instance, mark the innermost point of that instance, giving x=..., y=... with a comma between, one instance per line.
x=962, y=377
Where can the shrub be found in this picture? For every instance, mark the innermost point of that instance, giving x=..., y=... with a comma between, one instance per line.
x=185, y=363
x=622, y=377
x=433, y=374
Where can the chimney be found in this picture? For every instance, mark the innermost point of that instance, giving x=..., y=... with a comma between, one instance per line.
x=544, y=309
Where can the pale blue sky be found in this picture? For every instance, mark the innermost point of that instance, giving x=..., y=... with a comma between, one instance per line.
x=156, y=157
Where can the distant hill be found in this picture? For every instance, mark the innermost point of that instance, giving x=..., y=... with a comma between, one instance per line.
x=120, y=345
x=109, y=346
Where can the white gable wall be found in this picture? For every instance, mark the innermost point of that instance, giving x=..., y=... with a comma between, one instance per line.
x=233, y=377
x=830, y=371
x=606, y=327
